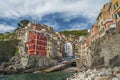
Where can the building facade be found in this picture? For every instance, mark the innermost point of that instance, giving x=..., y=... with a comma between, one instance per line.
x=116, y=12
x=100, y=25
x=94, y=34
x=68, y=49
x=49, y=45
x=108, y=17
x=54, y=47
x=37, y=43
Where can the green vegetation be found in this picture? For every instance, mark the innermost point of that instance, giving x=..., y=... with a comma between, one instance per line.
x=7, y=49
x=113, y=33
x=77, y=33
x=8, y=43
x=8, y=46
x=23, y=23
x=4, y=36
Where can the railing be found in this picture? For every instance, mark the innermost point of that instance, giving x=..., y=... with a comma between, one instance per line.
x=113, y=26
x=110, y=19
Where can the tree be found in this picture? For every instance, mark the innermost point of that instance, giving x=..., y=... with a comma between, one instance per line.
x=23, y=23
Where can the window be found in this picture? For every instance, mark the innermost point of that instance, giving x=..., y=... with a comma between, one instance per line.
x=112, y=16
x=38, y=47
x=38, y=42
x=68, y=51
x=32, y=40
x=102, y=23
x=116, y=5
x=101, y=15
x=99, y=26
x=42, y=37
x=43, y=48
x=117, y=15
x=101, y=31
x=42, y=43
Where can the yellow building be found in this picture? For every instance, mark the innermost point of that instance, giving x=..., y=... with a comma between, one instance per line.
x=85, y=51
x=108, y=18
x=116, y=11
x=49, y=46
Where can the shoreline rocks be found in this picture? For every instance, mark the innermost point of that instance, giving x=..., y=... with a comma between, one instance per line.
x=34, y=64
x=97, y=74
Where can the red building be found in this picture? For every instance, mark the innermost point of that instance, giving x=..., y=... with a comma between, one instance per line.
x=37, y=43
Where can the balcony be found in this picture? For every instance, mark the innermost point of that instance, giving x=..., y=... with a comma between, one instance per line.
x=112, y=27
x=107, y=20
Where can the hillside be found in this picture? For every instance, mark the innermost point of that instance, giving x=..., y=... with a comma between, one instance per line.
x=7, y=49
x=76, y=33
x=8, y=46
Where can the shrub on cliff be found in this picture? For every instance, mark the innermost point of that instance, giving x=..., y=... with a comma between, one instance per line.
x=77, y=33
x=7, y=49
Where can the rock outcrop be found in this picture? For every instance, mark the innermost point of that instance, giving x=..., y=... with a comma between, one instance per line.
x=98, y=74
x=106, y=50
x=35, y=63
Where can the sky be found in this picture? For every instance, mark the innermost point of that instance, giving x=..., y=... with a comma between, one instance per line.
x=59, y=14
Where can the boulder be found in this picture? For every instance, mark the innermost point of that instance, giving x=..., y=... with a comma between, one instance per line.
x=15, y=58
x=29, y=70
x=102, y=78
x=5, y=64
x=117, y=73
x=37, y=72
x=115, y=78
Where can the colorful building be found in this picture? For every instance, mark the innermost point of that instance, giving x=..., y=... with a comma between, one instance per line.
x=68, y=49
x=85, y=53
x=63, y=41
x=105, y=20
x=100, y=25
x=59, y=42
x=83, y=47
x=94, y=33
x=76, y=47
x=49, y=45
x=54, y=47
x=37, y=41
x=116, y=11
x=108, y=18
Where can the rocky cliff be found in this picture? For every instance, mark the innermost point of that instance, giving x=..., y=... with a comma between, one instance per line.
x=21, y=62
x=35, y=63
x=8, y=49
x=106, y=50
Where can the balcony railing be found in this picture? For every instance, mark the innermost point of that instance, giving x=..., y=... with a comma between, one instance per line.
x=112, y=27
x=107, y=20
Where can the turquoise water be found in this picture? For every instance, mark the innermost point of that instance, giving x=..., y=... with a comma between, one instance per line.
x=44, y=76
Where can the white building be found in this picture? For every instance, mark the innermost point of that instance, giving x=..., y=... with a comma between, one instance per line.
x=68, y=49
x=81, y=38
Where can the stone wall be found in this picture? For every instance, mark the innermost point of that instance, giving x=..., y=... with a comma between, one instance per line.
x=105, y=49
x=40, y=62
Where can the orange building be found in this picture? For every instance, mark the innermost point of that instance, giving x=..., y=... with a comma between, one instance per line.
x=108, y=19
x=37, y=41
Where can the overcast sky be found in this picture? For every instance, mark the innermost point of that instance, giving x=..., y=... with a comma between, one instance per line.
x=59, y=14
